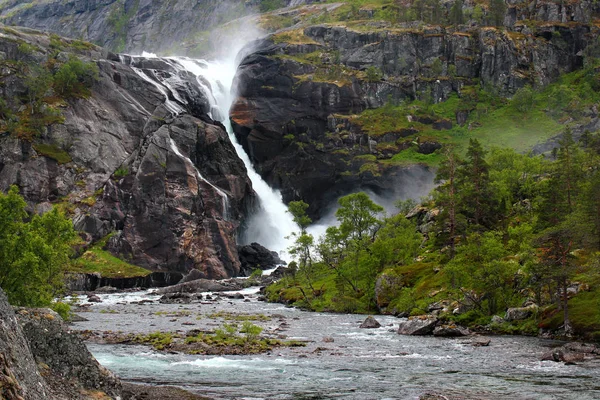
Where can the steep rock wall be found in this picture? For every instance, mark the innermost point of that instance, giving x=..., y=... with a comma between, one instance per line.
x=135, y=167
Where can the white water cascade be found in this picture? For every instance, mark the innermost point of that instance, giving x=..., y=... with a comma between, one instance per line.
x=271, y=225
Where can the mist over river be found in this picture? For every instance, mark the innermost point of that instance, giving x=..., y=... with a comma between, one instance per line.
x=358, y=364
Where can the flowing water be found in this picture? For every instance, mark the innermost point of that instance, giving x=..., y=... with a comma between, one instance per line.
x=358, y=364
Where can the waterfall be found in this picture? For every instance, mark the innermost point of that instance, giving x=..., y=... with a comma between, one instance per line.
x=271, y=225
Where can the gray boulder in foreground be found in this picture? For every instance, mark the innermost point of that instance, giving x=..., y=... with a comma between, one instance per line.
x=418, y=326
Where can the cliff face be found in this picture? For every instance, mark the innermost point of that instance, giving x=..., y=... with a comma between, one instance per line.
x=179, y=27
x=135, y=157
x=302, y=91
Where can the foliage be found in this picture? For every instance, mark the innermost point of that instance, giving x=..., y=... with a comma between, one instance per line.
x=75, y=78
x=33, y=253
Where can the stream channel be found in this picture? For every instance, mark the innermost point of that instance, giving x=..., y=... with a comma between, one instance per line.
x=358, y=364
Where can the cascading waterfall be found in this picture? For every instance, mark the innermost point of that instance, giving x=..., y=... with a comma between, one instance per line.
x=271, y=225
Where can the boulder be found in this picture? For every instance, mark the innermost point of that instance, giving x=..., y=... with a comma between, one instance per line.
x=178, y=298
x=92, y=298
x=450, y=331
x=202, y=285
x=255, y=256
x=520, y=313
x=370, y=323
x=422, y=325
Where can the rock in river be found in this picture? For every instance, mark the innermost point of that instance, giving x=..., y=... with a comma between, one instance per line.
x=423, y=325
x=370, y=323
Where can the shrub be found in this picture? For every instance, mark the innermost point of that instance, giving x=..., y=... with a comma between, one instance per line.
x=75, y=78
x=374, y=74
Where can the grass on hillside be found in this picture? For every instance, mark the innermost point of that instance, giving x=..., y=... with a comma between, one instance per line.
x=96, y=259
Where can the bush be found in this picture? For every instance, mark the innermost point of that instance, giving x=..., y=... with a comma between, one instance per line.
x=75, y=78
x=374, y=74
x=34, y=253
x=62, y=309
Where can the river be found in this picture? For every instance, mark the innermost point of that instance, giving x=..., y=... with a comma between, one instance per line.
x=358, y=364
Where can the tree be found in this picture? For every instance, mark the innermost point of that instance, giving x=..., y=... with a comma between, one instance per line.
x=303, y=244
x=345, y=249
x=33, y=254
x=446, y=196
x=476, y=196
x=456, y=13
x=524, y=99
x=497, y=11
x=556, y=263
x=37, y=83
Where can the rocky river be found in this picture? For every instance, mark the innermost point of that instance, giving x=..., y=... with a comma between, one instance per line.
x=340, y=359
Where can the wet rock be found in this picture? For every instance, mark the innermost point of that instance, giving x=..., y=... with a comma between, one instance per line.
x=202, y=285
x=423, y=325
x=450, y=331
x=92, y=298
x=255, y=256
x=572, y=353
x=177, y=298
x=106, y=290
x=193, y=275
x=481, y=342
x=370, y=323
x=328, y=339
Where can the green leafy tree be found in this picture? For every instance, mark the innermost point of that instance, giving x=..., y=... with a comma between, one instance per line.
x=303, y=243
x=524, y=99
x=38, y=83
x=33, y=254
x=476, y=196
x=447, y=198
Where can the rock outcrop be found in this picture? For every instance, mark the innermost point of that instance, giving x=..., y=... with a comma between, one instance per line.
x=254, y=256
x=39, y=359
x=140, y=157
x=300, y=91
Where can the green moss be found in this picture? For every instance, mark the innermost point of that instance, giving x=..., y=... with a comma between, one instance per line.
x=96, y=259
x=54, y=152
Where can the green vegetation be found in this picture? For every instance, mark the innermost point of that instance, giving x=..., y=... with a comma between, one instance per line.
x=33, y=252
x=47, y=85
x=54, y=152
x=97, y=259
x=506, y=229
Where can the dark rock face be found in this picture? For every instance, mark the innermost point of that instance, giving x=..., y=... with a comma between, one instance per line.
x=64, y=353
x=18, y=366
x=149, y=24
x=147, y=162
x=40, y=359
x=296, y=124
x=254, y=256
x=418, y=326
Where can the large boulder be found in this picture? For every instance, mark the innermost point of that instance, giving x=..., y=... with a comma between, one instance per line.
x=255, y=256
x=370, y=323
x=41, y=359
x=520, y=313
x=450, y=331
x=422, y=325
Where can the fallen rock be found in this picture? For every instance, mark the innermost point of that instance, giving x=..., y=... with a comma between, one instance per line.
x=202, y=285
x=423, y=325
x=450, y=331
x=370, y=323
x=255, y=256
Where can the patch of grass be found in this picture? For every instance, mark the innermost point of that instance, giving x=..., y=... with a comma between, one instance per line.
x=412, y=156
x=227, y=316
x=96, y=259
x=295, y=36
x=54, y=152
